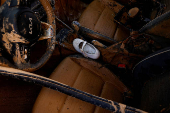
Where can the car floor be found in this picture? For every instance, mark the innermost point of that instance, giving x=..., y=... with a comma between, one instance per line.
x=17, y=96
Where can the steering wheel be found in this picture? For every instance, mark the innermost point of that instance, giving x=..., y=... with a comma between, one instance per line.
x=20, y=28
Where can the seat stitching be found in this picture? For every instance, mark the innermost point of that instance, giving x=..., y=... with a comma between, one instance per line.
x=102, y=33
x=100, y=96
x=71, y=86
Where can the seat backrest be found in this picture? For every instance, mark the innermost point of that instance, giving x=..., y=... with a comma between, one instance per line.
x=97, y=21
x=160, y=26
x=152, y=86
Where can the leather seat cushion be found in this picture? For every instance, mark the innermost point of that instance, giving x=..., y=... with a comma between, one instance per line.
x=85, y=75
x=99, y=17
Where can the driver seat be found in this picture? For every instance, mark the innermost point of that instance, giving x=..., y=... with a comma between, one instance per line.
x=83, y=74
x=97, y=21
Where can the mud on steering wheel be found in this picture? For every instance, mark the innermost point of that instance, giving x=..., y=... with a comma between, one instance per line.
x=20, y=28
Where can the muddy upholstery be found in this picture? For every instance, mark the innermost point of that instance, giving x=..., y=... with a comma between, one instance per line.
x=99, y=17
x=85, y=75
x=158, y=27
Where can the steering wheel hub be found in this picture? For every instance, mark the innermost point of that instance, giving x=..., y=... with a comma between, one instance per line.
x=23, y=22
x=29, y=26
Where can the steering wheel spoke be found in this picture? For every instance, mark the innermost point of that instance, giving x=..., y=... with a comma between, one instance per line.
x=21, y=54
x=48, y=31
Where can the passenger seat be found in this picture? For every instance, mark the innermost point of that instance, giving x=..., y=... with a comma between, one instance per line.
x=98, y=18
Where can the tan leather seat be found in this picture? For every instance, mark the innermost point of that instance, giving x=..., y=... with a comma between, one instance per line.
x=83, y=74
x=99, y=17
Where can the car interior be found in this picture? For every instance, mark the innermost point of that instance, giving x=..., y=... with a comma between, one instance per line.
x=37, y=37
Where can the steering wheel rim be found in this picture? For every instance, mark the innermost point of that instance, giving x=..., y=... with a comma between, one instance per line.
x=50, y=42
